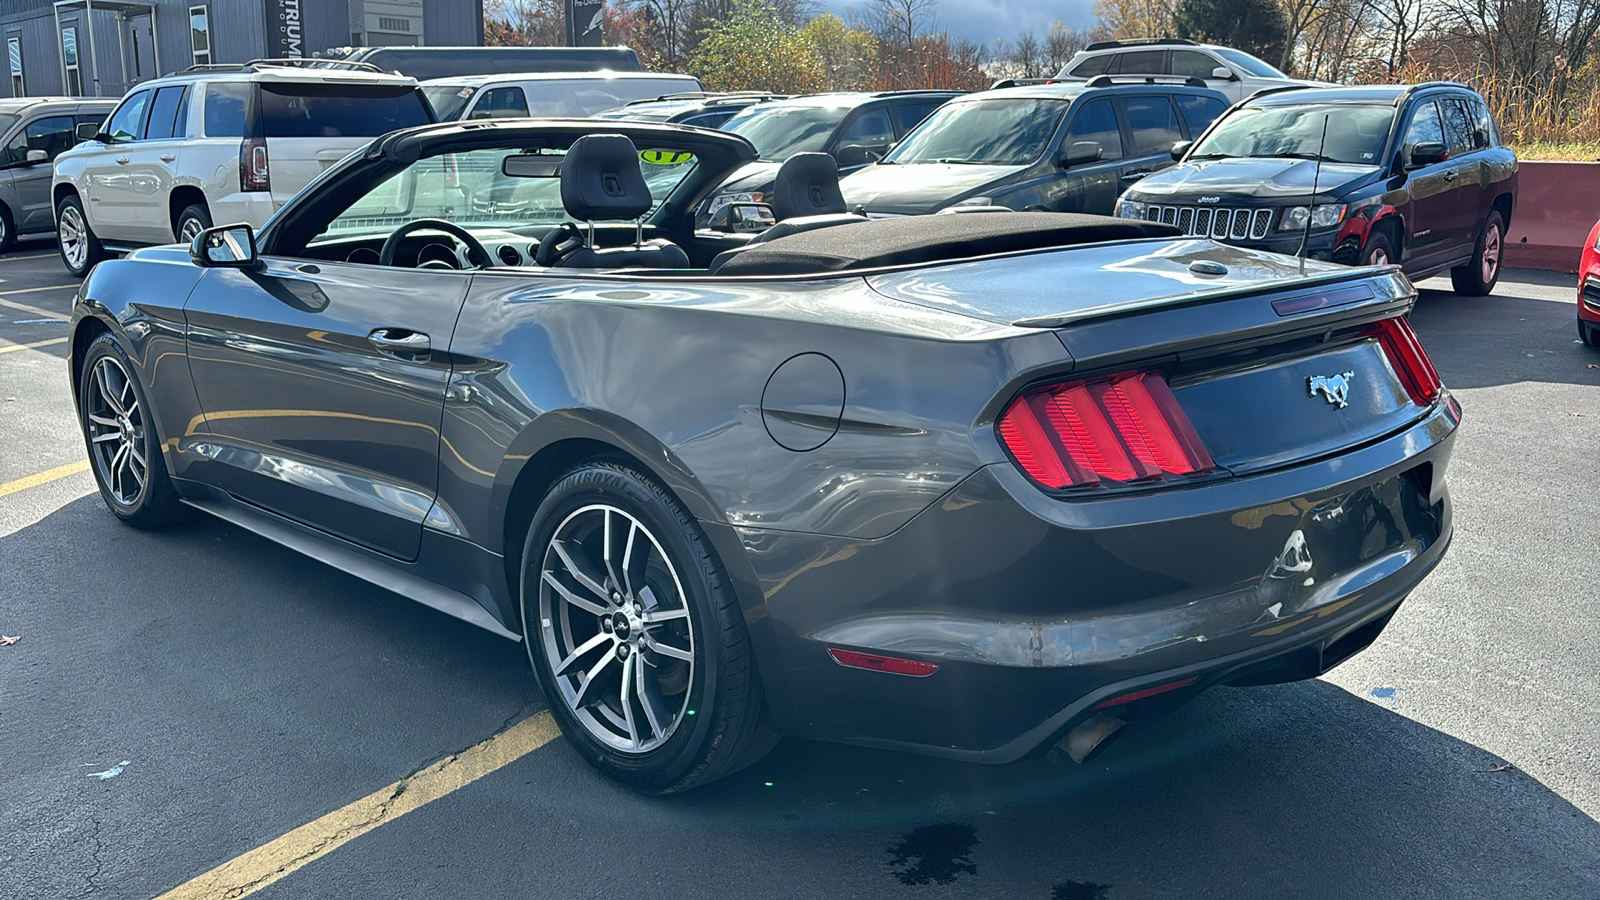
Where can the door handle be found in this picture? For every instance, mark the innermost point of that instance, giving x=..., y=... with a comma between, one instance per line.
x=1133, y=176
x=168, y=157
x=1450, y=176
x=399, y=340
x=122, y=160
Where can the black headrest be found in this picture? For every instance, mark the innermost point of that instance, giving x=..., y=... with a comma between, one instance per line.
x=601, y=179
x=808, y=185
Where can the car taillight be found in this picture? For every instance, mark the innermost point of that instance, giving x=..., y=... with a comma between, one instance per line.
x=1117, y=429
x=253, y=171
x=1410, y=361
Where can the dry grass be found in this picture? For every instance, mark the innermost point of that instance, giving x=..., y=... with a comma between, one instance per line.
x=1535, y=120
x=1585, y=151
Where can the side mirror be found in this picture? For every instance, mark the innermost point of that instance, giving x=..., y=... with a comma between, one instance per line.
x=87, y=131
x=1427, y=153
x=103, y=138
x=225, y=247
x=853, y=155
x=743, y=218
x=1223, y=73
x=1079, y=153
x=1180, y=148
x=35, y=157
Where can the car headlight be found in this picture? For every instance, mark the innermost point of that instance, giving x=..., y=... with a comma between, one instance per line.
x=1130, y=209
x=1324, y=216
x=720, y=200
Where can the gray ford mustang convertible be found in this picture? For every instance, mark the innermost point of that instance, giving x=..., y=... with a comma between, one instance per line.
x=969, y=485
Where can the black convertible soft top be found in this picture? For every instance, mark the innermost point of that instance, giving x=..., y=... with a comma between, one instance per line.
x=877, y=243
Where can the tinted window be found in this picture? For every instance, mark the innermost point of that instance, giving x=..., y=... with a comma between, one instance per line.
x=1189, y=63
x=1424, y=127
x=225, y=108
x=779, y=132
x=1096, y=122
x=316, y=110
x=1000, y=132
x=167, y=113
x=1458, y=129
x=909, y=112
x=1144, y=62
x=1152, y=123
x=1488, y=135
x=499, y=103
x=124, y=123
x=1199, y=112
x=1094, y=65
x=710, y=119
x=870, y=129
x=52, y=135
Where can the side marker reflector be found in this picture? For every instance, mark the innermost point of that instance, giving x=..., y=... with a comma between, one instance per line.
x=893, y=665
x=1132, y=696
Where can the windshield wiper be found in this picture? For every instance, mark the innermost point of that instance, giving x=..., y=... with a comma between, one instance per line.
x=1317, y=156
x=1209, y=156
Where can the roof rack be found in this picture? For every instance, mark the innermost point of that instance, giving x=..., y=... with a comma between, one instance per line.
x=912, y=91
x=1103, y=81
x=709, y=96
x=1142, y=42
x=1019, y=82
x=311, y=63
x=1275, y=90
x=1421, y=85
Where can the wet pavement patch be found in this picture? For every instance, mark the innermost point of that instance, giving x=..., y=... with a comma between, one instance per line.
x=1080, y=890
x=934, y=854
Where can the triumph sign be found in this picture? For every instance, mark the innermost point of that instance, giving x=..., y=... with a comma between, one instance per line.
x=285, y=29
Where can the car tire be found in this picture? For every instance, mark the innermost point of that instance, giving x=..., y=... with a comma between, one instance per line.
x=1589, y=333
x=1379, y=250
x=1477, y=278
x=682, y=705
x=8, y=229
x=193, y=220
x=80, y=249
x=120, y=437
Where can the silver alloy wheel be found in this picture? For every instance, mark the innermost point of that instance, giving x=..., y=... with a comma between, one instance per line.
x=5, y=232
x=1491, y=254
x=117, y=432
x=1379, y=257
x=74, y=237
x=614, y=620
x=188, y=228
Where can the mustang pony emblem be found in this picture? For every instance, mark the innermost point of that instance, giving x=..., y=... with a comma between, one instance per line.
x=1336, y=388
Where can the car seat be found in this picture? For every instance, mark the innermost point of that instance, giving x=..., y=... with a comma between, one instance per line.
x=601, y=179
x=805, y=197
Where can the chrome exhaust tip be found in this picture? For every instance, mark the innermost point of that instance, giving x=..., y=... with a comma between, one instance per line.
x=1083, y=742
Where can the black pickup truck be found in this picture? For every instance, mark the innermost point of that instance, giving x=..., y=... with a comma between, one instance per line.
x=1408, y=174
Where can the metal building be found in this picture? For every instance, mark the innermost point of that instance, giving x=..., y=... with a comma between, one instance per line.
x=100, y=48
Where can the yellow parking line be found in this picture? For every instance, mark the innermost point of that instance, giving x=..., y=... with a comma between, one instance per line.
x=254, y=870
x=35, y=344
x=45, y=477
x=34, y=310
x=33, y=290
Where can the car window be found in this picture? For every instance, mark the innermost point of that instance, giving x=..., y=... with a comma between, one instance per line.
x=1243, y=63
x=1190, y=63
x=779, y=132
x=1009, y=131
x=447, y=100
x=869, y=129
x=1458, y=130
x=500, y=103
x=51, y=134
x=1094, y=65
x=1488, y=134
x=1152, y=123
x=1199, y=112
x=1096, y=122
x=908, y=113
x=1355, y=133
x=168, y=113
x=226, y=103
x=321, y=110
x=710, y=119
x=124, y=123
x=1143, y=62
x=1424, y=127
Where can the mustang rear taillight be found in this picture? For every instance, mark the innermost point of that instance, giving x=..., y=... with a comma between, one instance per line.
x=253, y=170
x=1410, y=361
x=1118, y=429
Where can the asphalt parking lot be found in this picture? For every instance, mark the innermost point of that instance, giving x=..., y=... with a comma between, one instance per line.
x=177, y=700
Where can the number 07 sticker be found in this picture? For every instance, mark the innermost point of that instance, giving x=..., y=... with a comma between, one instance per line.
x=665, y=157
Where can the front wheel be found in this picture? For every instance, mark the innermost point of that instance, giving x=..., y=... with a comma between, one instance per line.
x=1478, y=277
x=80, y=249
x=193, y=220
x=636, y=635
x=1589, y=333
x=119, y=432
x=1379, y=251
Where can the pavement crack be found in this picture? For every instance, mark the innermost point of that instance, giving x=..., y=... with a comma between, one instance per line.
x=312, y=851
x=91, y=881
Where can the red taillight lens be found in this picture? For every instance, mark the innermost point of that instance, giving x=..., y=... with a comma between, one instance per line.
x=253, y=170
x=894, y=665
x=1410, y=361
x=1123, y=428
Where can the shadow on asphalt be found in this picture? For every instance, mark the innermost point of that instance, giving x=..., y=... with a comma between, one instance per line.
x=1486, y=341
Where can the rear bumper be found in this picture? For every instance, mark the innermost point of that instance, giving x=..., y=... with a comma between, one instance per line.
x=1038, y=610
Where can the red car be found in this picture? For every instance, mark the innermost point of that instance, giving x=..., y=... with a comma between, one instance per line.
x=1589, y=290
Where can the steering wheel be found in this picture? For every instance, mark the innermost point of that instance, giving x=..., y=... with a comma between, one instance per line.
x=474, y=247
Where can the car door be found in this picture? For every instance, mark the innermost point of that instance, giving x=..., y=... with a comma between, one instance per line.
x=1150, y=127
x=153, y=165
x=322, y=386
x=1430, y=215
x=111, y=200
x=30, y=181
x=1470, y=188
x=1090, y=187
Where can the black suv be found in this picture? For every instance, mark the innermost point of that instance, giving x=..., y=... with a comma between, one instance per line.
x=707, y=110
x=1414, y=175
x=1054, y=147
x=855, y=128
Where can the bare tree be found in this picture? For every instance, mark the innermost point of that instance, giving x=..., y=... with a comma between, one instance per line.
x=670, y=19
x=1061, y=44
x=1026, y=55
x=899, y=23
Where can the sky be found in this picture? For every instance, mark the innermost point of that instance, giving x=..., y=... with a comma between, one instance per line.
x=984, y=20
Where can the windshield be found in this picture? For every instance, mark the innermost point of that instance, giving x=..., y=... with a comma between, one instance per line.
x=1356, y=134
x=1247, y=64
x=6, y=121
x=472, y=190
x=1000, y=132
x=447, y=101
x=779, y=132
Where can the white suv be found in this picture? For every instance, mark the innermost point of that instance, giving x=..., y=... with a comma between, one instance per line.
x=1235, y=73
x=217, y=144
x=553, y=94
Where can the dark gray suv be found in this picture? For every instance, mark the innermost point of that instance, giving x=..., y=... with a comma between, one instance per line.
x=33, y=132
